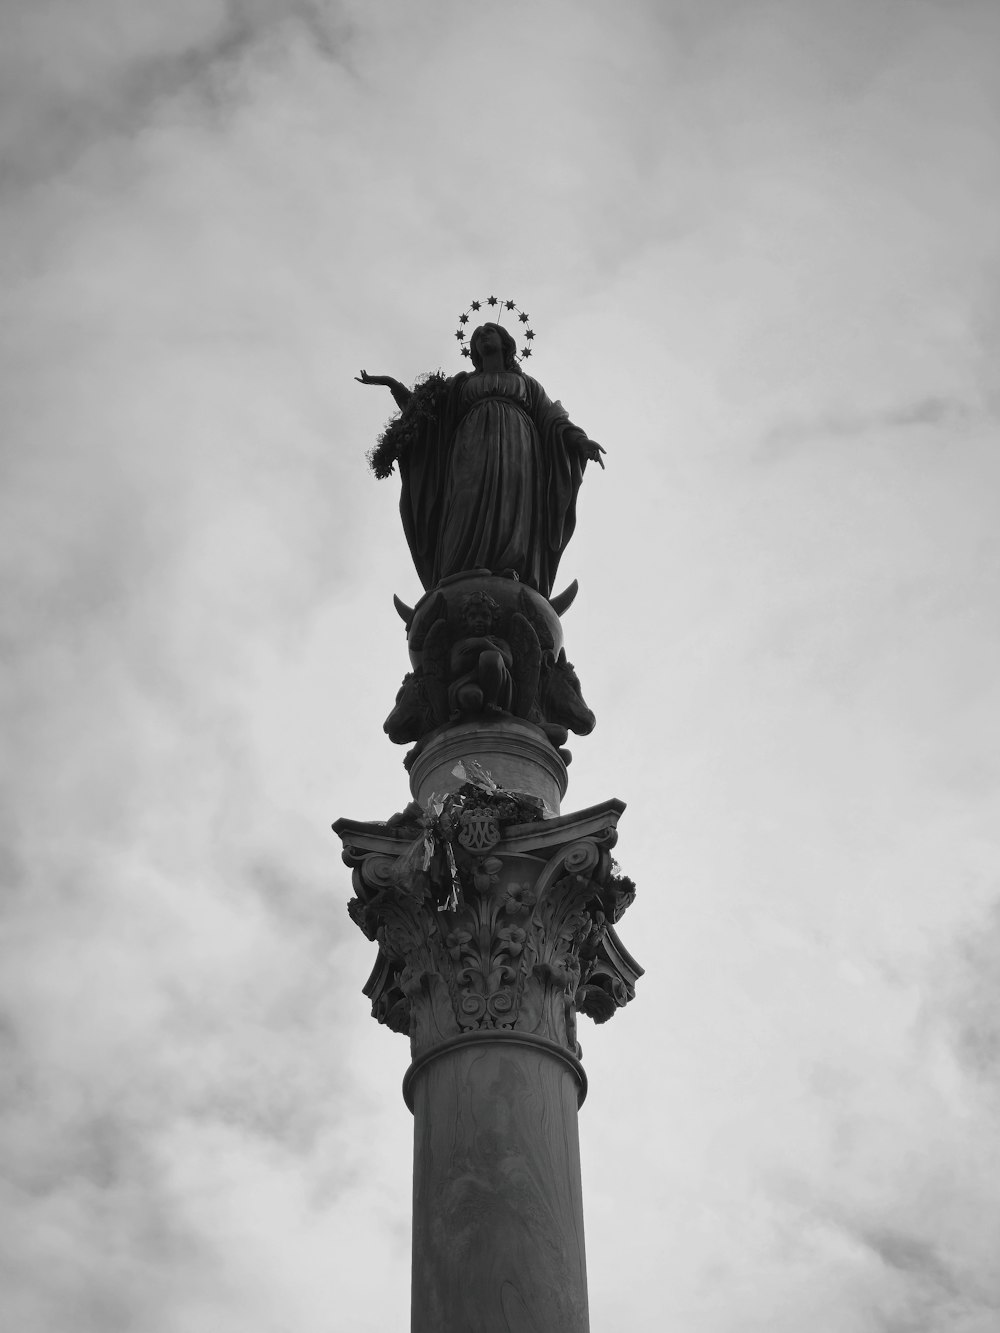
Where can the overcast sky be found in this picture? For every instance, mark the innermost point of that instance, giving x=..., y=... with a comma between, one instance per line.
x=758, y=242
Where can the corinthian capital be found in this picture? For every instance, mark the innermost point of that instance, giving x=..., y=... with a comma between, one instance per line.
x=491, y=927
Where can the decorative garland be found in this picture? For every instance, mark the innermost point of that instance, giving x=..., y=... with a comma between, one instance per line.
x=501, y=306
x=439, y=824
x=405, y=427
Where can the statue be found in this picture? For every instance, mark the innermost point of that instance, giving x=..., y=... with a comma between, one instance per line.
x=490, y=467
x=487, y=646
x=480, y=662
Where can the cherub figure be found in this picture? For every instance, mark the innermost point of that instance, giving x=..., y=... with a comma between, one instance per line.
x=480, y=662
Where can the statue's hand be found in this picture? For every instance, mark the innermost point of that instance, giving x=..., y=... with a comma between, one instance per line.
x=400, y=393
x=593, y=451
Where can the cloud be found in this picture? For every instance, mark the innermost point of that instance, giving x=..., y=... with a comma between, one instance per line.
x=76, y=74
x=910, y=1255
x=932, y=411
x=918, y=1287
x=963, y=1003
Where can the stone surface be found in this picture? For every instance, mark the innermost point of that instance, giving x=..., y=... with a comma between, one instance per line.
x=517, y=755
x=498, y=1240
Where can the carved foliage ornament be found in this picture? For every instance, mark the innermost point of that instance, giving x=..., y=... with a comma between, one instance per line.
x=521, y=944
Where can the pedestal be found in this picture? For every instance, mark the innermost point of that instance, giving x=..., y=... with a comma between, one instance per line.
x=516, y=754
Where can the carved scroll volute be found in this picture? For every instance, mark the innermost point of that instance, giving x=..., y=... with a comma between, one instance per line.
x=373, y=874
x=396, y=908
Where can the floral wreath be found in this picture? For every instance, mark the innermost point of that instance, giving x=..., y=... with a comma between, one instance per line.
x=439, y=822
x=463, y=319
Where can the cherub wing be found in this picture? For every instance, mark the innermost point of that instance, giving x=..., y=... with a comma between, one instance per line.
x=429, y=616
x=435, y=662
x=542, y=631
x=527, y=654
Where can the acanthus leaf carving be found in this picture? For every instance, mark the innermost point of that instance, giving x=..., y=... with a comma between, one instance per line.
x=505, y=940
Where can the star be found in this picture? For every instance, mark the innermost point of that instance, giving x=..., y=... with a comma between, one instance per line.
x=463, y=319
x=523, y=317
x=460, y=336
x=526, y=352
x=528, y=333
x=491, y=300
x=466, y=352
x=508, y=305
x=476, y=305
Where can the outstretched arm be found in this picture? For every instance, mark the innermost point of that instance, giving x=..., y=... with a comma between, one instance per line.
x=545, y=411
x=592, y=450
x=589, y=448
x=401, y=394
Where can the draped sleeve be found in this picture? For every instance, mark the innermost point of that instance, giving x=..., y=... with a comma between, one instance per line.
x=423, y=469
x=563, y=464
x=490, y=480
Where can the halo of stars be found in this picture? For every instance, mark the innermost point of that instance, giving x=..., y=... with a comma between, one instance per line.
x=494, y=303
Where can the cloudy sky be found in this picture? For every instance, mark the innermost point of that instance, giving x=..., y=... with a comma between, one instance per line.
x=758, y=241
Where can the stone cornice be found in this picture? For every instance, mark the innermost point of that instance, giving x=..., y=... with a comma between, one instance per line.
x=379, y=836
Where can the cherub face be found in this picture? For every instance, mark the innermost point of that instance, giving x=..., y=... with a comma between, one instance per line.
x=478, y=618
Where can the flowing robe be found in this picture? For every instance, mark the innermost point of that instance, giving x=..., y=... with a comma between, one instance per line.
x=492, y=482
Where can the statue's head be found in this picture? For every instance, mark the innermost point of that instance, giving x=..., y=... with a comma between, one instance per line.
x=507, y=344
x=479, y=612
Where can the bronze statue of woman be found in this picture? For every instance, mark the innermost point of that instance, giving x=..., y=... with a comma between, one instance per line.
x=490, y=469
